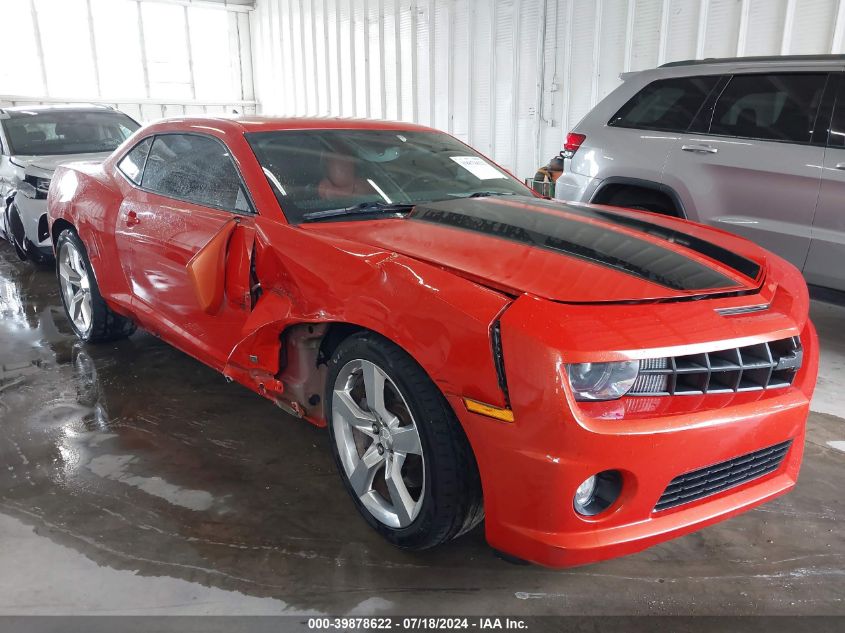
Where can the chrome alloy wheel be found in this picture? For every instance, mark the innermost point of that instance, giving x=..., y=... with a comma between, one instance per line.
x=76, y=287
x=378, y=443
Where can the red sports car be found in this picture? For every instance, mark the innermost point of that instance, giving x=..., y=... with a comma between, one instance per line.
x=589, y=380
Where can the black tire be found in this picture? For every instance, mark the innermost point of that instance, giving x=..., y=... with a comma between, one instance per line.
x=17, y=233
x=452, y=500
x=34, y=254
x=106, y=325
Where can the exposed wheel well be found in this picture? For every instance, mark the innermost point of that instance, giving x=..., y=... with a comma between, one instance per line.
x=335, y=335
x=638, y=196
x=59, y=226
x=304, y=355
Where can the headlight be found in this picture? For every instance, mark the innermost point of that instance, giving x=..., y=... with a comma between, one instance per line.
x=33, y=186
x=41, y=185
x=603, y=381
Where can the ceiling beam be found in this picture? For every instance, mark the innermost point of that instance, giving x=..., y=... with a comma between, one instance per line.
x=227, y=5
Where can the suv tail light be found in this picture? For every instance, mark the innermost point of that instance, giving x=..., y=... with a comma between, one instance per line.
x=573, y=142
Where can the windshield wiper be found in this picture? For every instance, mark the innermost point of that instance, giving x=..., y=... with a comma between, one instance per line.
x=365, y=208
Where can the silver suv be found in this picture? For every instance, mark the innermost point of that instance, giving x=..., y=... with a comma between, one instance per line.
x=34, y=140
x=754, y=145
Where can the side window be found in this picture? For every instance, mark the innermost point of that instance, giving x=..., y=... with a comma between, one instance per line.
x=666, y=104
x=194, y=168
x=769, y=107
x=836, y=137
x=132, y=164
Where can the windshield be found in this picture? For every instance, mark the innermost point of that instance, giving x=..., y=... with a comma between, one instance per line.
x=52, y=133
x=319, y=170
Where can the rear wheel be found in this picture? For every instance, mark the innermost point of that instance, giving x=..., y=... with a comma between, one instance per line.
x=91, y=319
x=400, y=450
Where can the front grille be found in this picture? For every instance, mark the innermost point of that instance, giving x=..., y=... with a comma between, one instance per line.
x=751, y=368
x=713, y=479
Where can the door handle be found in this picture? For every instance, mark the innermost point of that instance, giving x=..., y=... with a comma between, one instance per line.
x=132, y=219
x=699, y=149
x=840, y=166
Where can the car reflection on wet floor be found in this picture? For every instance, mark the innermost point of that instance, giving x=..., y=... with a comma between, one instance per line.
x=139, y=460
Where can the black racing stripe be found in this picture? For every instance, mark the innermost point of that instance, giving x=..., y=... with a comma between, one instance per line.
x=583, y=240
x=722, y=255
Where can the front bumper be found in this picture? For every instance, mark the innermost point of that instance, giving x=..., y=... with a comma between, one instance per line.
x=33, y=214
x=531, y=468
x=529, y=511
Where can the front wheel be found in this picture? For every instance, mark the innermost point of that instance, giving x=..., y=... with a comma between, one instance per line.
x=91, y=319
x=400, y=450
x=16, y=232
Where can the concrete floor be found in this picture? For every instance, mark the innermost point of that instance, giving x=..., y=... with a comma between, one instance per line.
x=135, y=480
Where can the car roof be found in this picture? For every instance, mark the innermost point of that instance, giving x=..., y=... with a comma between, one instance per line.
x=762, y=60
x=269, y=123
x=20, y=111
x=256, y=123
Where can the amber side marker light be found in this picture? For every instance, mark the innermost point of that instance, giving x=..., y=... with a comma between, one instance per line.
x=505, y=415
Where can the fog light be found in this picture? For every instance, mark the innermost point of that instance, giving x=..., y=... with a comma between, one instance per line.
x=597, y=493
x=585, y=491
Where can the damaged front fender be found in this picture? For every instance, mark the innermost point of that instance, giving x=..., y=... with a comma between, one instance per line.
x=442, y=321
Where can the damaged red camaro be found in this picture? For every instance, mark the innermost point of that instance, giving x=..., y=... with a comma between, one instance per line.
x=588, y=380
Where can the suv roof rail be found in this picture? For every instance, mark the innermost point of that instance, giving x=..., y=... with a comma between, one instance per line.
x=761, y=58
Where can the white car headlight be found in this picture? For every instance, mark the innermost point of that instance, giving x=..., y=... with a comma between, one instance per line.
x=33, y=186
x=603, y=381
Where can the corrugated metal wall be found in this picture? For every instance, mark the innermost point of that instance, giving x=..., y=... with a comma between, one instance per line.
x=510, y=77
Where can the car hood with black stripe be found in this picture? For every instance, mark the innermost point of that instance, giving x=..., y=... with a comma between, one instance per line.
x=567, y=252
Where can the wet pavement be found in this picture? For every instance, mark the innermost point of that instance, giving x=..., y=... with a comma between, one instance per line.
x=135, y=480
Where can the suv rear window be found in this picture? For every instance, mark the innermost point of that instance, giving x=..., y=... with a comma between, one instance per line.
x=770, y=107
x=665, y=104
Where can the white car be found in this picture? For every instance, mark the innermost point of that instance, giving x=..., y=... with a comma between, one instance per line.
x=34, y=140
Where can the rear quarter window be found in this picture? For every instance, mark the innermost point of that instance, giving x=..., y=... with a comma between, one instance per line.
x=132, y=165
x=665, y=104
